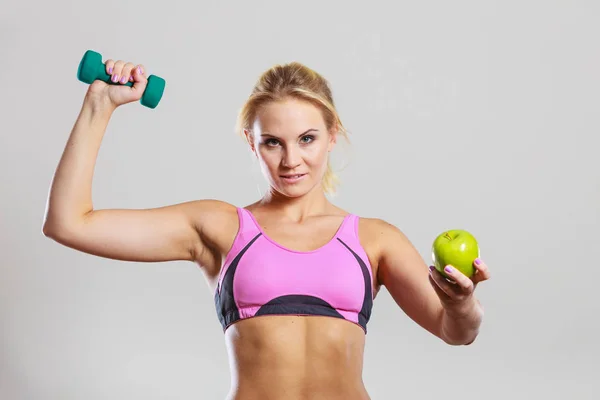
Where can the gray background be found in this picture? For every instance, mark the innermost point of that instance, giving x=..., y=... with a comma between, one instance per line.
x=481, y=115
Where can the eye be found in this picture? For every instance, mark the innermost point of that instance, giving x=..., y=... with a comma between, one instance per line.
x=271, y=142
x=307, y=139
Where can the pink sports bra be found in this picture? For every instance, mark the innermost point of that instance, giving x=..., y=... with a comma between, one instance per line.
x=261, y=277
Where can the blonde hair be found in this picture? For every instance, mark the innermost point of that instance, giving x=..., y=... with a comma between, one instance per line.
x=294, y=80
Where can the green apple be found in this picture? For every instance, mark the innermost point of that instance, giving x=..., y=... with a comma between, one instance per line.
x=455, y=247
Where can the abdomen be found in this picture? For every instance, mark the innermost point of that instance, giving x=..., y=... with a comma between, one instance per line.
x=274, y=357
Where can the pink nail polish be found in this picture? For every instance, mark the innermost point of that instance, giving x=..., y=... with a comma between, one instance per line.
x=448, y=269
x=110, y=70
x=124, y=79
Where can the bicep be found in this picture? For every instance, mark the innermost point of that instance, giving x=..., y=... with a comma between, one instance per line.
x=405, y=275
x=167, y=233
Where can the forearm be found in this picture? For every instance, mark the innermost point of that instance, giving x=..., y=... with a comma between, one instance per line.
x=461, y=326
x=70, y=195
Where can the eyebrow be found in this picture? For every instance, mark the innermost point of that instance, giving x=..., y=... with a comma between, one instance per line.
x=303, y=133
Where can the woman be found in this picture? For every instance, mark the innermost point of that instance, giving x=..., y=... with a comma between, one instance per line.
x=294, y=276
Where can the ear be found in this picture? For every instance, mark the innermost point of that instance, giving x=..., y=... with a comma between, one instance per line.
x=333, y=135
x=250, y=139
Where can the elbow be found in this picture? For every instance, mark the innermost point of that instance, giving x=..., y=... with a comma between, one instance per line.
x=51, y=226
x=56, y=231
x=51, y=231
x=58, y=225
x=48, y=229
x=50, y=223
x=59, y=233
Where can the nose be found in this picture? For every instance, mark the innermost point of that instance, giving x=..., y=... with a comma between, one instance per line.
x=291, y=158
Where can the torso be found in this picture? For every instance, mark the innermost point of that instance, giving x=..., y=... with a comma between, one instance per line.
x=289, y=356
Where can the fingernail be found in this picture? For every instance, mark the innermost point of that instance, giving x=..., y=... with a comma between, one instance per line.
x=431, y=267
x=124, y=79
x=477, y=261
x=115, y=78
x=140, y=70
x=449, y=269
x=110, y=70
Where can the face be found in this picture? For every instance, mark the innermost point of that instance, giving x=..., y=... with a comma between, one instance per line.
x=291, y=142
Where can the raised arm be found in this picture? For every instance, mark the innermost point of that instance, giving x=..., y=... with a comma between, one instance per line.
x=176, y=232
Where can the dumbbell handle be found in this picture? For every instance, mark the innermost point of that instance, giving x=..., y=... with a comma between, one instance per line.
x=104, y=77
x=91, y=68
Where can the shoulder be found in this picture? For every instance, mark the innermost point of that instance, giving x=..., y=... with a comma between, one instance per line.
x=216, y=221
x=205, y=212
x=379, y=229
x=216, y=224
x=382, y=238
x=382, y=241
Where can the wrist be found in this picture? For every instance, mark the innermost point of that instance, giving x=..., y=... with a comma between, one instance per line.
x=464, y=309
x=460, y=323
x=97, y=108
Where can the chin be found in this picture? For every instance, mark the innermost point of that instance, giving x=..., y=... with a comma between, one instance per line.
x=294, y=190
x=291, y=192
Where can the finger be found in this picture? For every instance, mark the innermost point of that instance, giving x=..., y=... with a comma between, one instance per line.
x=109, y=65
x=126, y=72
x=139, y=79
x=463, y=281
x=441, y=294
x=440, y=281
x=142, y=71
x=138, y=73
x=117, y=71
x=482, y=272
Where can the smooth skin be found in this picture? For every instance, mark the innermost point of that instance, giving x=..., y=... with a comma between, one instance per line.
x=289, y=137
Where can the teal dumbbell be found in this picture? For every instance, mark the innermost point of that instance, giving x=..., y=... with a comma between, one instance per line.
x=91, y=68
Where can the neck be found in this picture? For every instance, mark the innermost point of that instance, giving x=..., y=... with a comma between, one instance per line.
x=297, y=208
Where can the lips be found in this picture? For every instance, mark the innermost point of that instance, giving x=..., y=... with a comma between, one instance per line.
x=292, y=178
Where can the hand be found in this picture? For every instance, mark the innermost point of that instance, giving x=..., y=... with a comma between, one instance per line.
x=117, y=94
x=456, y=293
